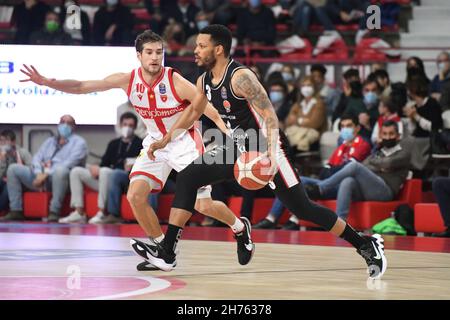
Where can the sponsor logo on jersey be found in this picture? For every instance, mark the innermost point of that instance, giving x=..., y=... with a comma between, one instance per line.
x=227, y=105
x=158, y=113
x=140, y=96
x=223, y=93
x=162, y=88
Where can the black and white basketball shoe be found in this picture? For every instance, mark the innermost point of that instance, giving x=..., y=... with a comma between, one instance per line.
x=245, y=245
x=155, y=254
x=373, y=253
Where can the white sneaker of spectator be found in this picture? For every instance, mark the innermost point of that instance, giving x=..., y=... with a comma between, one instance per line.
x=73, y=217
x=97, y=218
x=325, y=41
x=360, y=35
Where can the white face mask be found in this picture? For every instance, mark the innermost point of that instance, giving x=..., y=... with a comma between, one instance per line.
x=307, y=91
x=126, y=131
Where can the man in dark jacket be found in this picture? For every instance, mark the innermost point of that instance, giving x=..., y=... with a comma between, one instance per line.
x=52, y=33
x=113, y=24
x=28, y=17
x=97, y=177
x=379, y=178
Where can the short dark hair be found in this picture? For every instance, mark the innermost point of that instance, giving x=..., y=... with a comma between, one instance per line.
x=356, y=89
x=371, y=78
x=381, y=73
x=8, y=134
x=390, y=104
x=220, y=35
x=391, y=123
x=146, y=37
x=349, y=116
x=319, y=67
x=418, y=87
x=351, y=73
x=129, y=115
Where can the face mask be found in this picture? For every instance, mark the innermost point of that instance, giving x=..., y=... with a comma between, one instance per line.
x=276, y=96
x=126, y=131
x=441, y=66
x=112, y=3
x=64, y=130
x=255, y=3
x=52, y=26
x=307, y=91
x=202, y=24
x=287, y=76
x=347, y=134
x=388, y=143
x=370, y=98
x=5, y=148
x=412, y=71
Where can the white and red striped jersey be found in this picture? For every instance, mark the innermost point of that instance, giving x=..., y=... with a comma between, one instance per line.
x=158, y=104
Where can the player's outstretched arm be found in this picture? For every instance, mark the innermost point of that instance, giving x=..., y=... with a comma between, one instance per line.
x=117, y=80
x=246, y=85
x=186, y=91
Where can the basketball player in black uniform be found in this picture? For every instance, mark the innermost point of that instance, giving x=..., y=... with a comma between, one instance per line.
x=243, y=104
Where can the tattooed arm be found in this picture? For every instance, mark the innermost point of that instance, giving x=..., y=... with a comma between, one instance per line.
x=246, y=85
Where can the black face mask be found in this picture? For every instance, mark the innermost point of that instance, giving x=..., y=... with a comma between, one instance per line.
x=389, y=143
x=413, y=71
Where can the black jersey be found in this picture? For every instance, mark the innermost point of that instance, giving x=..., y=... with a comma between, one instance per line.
x=235, y=111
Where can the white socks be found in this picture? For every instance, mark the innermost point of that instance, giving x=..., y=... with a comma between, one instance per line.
x=159, y=239
x=238, y=226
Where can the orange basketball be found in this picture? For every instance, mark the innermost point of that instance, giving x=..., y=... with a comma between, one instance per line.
x=251, y=170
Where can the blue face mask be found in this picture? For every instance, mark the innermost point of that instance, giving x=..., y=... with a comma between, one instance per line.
x=370, y=98
x=287, y=76
x=64, y=130
x=254, y=3
x=347, y=134
x=202, y=24
x=276, y=96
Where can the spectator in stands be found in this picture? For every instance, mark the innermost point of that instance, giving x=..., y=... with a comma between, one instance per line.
x=379, y=178
x=217, y=11
x=257, y=70
x=79, y=36
x=307, y=118
x=304, y=13
x=51, y=167
x=354, y=148
x=10, y=153
x=424, y=120
x=289, y=77
x=28, y=17
x=174, y=38
x=425, y=115
x=367, y=112
x=441, y=190
x=279, y=97
x=256, y=27
x=183, y=12
x=415, y=70
x=113, y=24
x=96, y=177
x=329, y=95
x=388, y=111
x=443, y=76
x=382, y=77
x=52, y=33
x=127, y=107
x=348, y=76
x=341, y=12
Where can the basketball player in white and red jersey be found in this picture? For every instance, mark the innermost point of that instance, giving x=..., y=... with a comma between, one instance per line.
x=159, y=95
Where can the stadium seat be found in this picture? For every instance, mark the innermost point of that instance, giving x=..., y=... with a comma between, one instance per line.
x=364, y=214
x=299, y=54
x=141, y=14
x=427, y=218
x=364, y=52
x=36, y=204
x=337, y=51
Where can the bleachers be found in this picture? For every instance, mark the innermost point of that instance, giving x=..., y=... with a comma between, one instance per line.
x=427, y=218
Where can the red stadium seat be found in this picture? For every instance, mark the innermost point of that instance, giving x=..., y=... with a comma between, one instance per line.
x=141, y=14
x=364, y=214
x=300, y=54
x=90, y=203
x=427, y=218
x=36, y=204
x=337, y=51
x=364, y=52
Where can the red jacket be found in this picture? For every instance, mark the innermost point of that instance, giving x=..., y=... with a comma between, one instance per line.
x=359, y=150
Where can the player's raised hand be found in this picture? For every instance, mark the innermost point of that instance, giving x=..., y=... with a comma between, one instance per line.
x=156, y=146
x=33, y=75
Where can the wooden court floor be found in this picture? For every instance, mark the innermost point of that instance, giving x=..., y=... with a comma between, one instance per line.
x=67, y=266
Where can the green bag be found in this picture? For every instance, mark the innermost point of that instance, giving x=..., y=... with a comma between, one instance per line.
x=389, y=226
